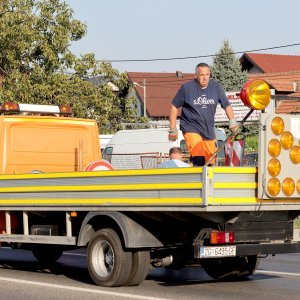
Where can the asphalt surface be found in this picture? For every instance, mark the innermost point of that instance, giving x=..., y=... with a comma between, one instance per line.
x=22, y=277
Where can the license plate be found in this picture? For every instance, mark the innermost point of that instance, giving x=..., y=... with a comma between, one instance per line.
x=222, y=251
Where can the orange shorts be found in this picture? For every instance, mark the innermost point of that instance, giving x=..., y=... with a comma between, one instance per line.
x=198, y=146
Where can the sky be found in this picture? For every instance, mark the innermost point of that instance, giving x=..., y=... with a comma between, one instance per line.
x=164, y=29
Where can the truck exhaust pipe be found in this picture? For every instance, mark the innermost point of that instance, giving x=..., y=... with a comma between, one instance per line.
x=162, y=262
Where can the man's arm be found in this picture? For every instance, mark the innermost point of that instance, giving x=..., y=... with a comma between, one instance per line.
x=233, y=125
x=173, y=116
x=173, y=132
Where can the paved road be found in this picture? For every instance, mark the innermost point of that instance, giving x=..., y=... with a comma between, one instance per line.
x=21, y=277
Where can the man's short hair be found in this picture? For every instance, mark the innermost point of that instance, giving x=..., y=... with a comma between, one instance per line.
x=201, y=65
x=174, y=150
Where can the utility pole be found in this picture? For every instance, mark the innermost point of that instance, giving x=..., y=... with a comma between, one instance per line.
x=145, y=95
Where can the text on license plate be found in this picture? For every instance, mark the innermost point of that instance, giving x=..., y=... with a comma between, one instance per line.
x=222, y=251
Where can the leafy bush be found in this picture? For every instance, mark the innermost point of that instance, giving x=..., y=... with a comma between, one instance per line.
x=297, y=223
x=251, y=144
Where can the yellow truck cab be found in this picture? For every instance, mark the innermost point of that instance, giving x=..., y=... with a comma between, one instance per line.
x=44, y=138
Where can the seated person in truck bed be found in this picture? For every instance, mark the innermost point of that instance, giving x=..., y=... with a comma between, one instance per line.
x=175, y=155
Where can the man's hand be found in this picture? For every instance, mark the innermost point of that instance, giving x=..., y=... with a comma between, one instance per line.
x=233, y=125
x=173, y=134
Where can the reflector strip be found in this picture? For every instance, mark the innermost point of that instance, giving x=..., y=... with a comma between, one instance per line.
x=251, y=200
x=236, y=170
x=106, y=202
x=104, y=173
x=111, y=187
x=235, y=185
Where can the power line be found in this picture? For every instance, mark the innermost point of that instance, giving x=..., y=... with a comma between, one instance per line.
x=199, y=56
x=170, y=81
x=161, y=76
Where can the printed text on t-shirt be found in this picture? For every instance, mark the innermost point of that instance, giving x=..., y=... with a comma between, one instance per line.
x=204, y=101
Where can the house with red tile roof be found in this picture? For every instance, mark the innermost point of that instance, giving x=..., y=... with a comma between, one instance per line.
x=282, y=72
x=155, y=91
x=255, y=63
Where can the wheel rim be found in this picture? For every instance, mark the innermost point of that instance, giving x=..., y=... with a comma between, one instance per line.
x=103, y=258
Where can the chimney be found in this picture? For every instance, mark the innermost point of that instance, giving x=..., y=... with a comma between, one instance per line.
x=179, y=74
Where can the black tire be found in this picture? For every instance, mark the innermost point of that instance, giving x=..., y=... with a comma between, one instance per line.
x=140, y=268
x=231, y=268
x=47, y=253
x=108, y=264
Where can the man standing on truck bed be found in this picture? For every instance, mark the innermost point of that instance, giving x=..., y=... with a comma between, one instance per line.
x=198, y=99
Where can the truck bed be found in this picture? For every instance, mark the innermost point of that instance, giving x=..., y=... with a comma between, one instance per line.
x=180, y=189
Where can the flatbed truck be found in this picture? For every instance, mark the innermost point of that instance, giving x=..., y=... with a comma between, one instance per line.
x=221, y=218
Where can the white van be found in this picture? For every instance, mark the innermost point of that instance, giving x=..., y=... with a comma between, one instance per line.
x=104, y=139
x=126, y=147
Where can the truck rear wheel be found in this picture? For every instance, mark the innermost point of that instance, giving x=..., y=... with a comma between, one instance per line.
x=230, y=268
x=108, y=264
x=140, y=267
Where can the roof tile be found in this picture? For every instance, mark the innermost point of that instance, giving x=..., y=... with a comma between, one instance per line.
x=270, y=63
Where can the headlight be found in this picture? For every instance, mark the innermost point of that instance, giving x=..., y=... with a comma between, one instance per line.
x=274, y=167
x=288, y=186
x=273, y=187
x=295, y=154
x=286, y=140
x=277, y=125
x=274, y=147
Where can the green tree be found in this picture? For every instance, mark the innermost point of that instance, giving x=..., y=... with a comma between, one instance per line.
x=227, y=69
x=40, y=68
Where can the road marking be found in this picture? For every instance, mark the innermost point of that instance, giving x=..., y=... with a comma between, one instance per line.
x=72, y=288
x=277, y=273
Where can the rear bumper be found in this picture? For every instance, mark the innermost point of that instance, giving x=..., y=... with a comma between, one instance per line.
x=270, y=248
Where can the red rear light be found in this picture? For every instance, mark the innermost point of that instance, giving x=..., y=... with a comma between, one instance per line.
x=222, y=237
x=231, y=237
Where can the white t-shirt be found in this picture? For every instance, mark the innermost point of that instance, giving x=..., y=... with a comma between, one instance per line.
x=173, y=163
